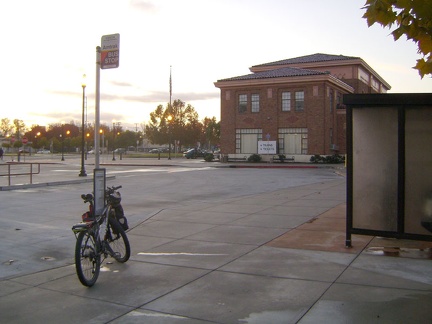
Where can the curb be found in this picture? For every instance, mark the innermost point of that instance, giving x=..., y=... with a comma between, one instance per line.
x=49, y=184
x=274, y=167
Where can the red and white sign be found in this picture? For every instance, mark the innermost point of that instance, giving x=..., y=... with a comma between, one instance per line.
x=110, y=51
x=24, y=140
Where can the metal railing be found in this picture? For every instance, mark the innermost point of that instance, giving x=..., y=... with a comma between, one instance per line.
x=19, y=169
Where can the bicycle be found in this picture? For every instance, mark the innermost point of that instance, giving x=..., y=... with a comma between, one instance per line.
x=99, y=236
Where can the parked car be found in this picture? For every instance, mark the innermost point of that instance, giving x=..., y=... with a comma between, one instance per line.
x=154, y=151
x=194, y=153
x=93, y=152
x=43, y=152
x=120, y=150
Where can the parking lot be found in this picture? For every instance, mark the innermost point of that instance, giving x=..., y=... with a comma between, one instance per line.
x=210, y=244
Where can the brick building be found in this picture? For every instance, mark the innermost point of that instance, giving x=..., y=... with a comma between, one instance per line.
x=296, y=102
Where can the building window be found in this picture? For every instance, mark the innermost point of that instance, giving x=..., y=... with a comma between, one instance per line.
x=299, y=100
x=255, y=103
x=286, y=101
x=247, y=140
x=242, y=107
x=339, y=104
x=338, y=99
x=293, y=140
x=331, y=100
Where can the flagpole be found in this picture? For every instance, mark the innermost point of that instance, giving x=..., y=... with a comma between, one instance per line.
x=170, y=84
x=169, y=116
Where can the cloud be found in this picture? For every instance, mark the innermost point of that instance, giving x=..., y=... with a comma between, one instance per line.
x=145, y=6
x=196, y=96
x=151, y=96
x=121, y=84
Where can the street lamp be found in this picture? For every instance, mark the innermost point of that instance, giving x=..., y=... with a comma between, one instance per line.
x=113, y=158
x=103, y=140
x=35, y=143
x=68, y=143
x=169, y=136
x=86, y=145
x=83, y=171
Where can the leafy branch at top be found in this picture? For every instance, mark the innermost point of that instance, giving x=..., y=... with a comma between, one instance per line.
x=412, y=18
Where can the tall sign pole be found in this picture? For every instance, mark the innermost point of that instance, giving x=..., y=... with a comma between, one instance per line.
x=97, y=107
x=107, y=57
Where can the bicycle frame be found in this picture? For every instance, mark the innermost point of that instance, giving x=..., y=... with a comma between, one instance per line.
x=100, y=221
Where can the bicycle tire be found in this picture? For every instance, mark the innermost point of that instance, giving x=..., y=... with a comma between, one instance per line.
x=118, y=241
x=87, y=259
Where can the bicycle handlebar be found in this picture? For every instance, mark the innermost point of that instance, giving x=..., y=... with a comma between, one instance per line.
x=89, y=197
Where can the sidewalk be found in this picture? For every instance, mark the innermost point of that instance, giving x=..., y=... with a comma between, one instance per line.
x=275, y=257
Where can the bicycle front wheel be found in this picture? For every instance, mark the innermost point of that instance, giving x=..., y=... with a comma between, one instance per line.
x=118, y=241
x=87, y=259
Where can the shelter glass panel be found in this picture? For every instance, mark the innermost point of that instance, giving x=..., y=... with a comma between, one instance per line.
x=375, y=194
x=418, y=169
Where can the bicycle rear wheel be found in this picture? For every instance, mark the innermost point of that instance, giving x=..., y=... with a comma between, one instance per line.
x=118, y=241
x=87, y=259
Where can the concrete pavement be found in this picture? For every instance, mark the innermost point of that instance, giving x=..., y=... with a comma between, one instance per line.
x=272, y=257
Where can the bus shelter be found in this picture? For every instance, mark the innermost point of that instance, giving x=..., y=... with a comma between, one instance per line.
x=389, y=165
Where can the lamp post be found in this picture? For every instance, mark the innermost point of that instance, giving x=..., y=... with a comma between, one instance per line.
x=35, y=143
x=169, y=136
x=83, y=171
x=86, y=145
x=68, y=143
x=113, y=158
x=62, y=143
x=103, y=140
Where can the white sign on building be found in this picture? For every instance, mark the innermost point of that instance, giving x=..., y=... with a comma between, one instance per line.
x=266, y=147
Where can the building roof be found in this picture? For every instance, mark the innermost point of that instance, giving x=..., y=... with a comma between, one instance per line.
x=276, y=73
x=302, y=66
x=313, y=58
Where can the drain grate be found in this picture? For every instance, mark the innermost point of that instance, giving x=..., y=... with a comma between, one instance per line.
x=47, y=258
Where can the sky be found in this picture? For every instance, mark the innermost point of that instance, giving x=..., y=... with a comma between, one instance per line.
x=47, y=46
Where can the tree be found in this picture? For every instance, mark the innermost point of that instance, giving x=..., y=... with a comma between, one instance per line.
x=20, y=128
x=413, y=18
x=154, y=129
x=212, y=131
x=35, y=135
x=184, y=126
x=63, y=130
x=6, y=127
x=126, y=139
